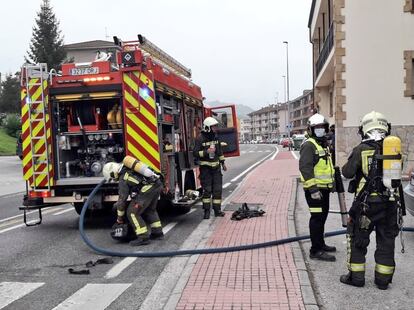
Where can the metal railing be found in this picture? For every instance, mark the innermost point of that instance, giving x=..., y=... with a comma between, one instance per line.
x=326, y=50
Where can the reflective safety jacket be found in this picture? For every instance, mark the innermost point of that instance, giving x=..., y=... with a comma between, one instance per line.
x=315, y=165
x=131, y=183
x=202, y=144
x=359, y=164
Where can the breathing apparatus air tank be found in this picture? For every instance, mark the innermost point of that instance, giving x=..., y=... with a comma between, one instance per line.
x=341, y=197
x=392, y=162
x=111, y=117
x=118, y=118
x=139, y=167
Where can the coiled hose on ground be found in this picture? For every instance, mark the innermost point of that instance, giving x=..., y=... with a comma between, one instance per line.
x=191, y=251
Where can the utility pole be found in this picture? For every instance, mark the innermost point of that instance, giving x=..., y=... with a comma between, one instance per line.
x=287, y=87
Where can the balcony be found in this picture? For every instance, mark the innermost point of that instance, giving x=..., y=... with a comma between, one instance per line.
x=326, y=50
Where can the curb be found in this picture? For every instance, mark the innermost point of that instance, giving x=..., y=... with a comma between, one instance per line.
x=308, y=294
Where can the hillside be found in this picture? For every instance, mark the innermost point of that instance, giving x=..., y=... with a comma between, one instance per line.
x=241, y=109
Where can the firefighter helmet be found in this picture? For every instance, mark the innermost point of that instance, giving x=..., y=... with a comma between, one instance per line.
x=111, y=170
x=374, y=120
x=317, y=120
x=208, y=123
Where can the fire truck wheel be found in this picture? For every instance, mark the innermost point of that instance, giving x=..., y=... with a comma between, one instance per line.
x=182, y=209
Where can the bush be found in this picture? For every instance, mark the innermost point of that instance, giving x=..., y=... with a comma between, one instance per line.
x=12, y=125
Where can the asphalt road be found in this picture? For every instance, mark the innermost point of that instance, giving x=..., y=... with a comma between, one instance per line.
x=34, y=261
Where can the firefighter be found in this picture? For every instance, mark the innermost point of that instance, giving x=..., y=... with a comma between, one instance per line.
x=209, y=155
x=317, y=175
x=372, y=207
x=144, y=189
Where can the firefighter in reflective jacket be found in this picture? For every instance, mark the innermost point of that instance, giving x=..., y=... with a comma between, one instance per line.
x=144, y=189
x=209, y=155
x=372, y=207
x=317, y=175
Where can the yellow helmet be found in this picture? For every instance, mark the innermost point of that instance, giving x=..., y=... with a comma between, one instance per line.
x=374, y=120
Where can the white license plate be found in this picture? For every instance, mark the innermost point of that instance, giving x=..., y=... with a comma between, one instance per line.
x=82, y=71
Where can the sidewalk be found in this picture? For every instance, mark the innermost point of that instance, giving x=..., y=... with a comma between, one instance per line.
x=257, y=279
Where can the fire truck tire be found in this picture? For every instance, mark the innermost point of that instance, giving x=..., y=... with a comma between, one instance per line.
x=182, y=209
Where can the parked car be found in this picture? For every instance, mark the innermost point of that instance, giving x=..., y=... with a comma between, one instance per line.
x=19, y=148
x=286, y=142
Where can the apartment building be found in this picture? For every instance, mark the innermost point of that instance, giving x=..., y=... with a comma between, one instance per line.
x=363, y=59
x=245, y=133
x=301, y=109
x=265, y=123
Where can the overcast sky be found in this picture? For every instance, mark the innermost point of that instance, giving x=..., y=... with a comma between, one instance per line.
x=234, y=47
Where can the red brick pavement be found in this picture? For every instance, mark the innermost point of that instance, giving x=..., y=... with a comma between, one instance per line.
x=257, y=279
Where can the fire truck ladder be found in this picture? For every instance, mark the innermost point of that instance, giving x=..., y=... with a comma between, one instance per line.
x=35, y=75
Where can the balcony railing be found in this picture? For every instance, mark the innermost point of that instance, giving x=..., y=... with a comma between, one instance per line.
x=326, y=50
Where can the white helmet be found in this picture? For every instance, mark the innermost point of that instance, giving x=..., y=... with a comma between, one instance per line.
x=374, y=120
x=208, y=122
x=111, y=170
x=315, y=120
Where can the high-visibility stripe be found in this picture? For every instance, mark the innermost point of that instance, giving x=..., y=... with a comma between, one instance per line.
x=356, y=267
x=138, y=152
x=384, y=269
x=152, y=127
x=216, y=201
x=206, y=200
x=147, y=81
x=309, y=183
x=315, y=210
x=201, y=153
x=147, y=146
x=128, y=81
x=209, y=163
x=120, y=213
x=131, y=99
x=142, y=129
x=139, y=230
x=156, y=224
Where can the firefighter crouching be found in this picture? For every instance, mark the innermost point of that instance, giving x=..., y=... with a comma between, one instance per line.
x=144, y=186
x=209, y=155
x=317, y=175
x=375, y=206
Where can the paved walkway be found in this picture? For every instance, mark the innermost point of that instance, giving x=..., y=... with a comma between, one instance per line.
x=257, y=279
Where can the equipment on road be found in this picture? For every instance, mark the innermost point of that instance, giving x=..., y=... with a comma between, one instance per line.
x=94, y=113
x=339, y=187
x=244, y=212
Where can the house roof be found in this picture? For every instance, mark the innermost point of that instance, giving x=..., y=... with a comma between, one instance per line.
x=94, y=44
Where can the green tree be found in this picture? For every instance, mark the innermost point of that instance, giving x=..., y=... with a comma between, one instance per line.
x=10, y=94
x=46, y=44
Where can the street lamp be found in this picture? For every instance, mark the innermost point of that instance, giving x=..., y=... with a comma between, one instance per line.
x=287, y=86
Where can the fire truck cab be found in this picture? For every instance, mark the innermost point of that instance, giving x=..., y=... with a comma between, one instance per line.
x=139, y=102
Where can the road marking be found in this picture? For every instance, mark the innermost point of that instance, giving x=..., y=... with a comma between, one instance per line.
x=226, y=185
x=191, y=211
x=15, y=216
x=65, y=211
x=93, y=296
x=254, y=165
x=11, y=291
x=21, y=225
x=252, y=152
x=274, y=156
x=124, y=263
x=294, y=155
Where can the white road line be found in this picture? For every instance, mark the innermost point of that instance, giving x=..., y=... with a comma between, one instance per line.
x=191, y=211
x=226, y=185
x=16, y=216
x=294, y=155
x=274, y=156
x=93, y=296
x=65, y=211
x=124, y=263
x=254, y=165
x=252, y=152
x=21, y=225
x=11, y=291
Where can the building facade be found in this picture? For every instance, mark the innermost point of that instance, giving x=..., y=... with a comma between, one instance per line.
x=301, y=109
x=245, y=133
x=362, y=62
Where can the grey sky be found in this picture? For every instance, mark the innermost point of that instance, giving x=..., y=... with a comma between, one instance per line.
x=234, y=47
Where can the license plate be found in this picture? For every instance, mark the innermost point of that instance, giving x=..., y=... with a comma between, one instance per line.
x=82, y=71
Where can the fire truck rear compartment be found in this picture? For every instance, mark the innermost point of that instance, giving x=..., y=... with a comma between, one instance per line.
x=88, y=134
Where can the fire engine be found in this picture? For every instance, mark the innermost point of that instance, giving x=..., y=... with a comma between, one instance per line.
x=139, y=102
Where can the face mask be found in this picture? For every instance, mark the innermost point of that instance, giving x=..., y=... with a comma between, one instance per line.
x=319, y=132
x=376, y=135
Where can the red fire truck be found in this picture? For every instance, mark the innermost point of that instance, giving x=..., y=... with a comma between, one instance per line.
x=139, y=102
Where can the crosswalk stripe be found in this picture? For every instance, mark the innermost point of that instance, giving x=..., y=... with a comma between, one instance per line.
x=11, y=291
x=93, y=296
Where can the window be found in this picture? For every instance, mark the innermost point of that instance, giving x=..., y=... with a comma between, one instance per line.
x=409, y=73
x=409, y=6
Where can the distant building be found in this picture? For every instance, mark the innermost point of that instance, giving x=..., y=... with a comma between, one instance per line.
x=86, y=51
x=301, y=109
x=245, y=133
x=363, y=60
x=265, y=123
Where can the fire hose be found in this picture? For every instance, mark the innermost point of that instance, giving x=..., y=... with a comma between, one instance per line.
x=191, y=251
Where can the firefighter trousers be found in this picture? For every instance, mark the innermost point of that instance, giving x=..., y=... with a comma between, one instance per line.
x=212, y=183
x=319, y=210
x=383, y=219
x=142, y=210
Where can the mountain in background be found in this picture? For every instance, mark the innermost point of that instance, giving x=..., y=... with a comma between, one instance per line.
x=241, y=109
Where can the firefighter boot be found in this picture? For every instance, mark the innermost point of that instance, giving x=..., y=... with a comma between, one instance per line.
x=157, y=235
x=206, y=214
x=322, y=255
x=381, y=284
x=141, y=240
x=355, y=279
x=218, y=212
